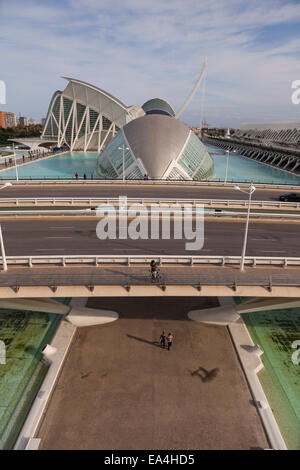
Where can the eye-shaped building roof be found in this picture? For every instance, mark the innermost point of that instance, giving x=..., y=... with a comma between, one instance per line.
x=159, y=146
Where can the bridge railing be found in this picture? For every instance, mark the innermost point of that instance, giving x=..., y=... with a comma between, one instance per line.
x=71, y=201
x=73, y=181
x=226, y=214
x=179, y=260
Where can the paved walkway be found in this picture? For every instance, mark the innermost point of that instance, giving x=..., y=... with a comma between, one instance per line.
x=140, y=275
x=120, y=390
x=20, y=161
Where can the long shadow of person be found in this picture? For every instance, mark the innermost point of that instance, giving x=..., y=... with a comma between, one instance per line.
x=204, y=374
x=153, y=343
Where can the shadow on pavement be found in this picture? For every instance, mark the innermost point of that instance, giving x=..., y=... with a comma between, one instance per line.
x=204, y=374
x=153, y=343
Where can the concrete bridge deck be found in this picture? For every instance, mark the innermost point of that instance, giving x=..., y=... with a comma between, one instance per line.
x=120, y=281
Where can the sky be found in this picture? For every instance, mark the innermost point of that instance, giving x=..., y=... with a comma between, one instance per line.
x=141, y=49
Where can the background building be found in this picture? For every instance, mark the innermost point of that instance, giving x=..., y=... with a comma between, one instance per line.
x=7, y=119
x=280, y=133
x=84, y=117
x=23, y=121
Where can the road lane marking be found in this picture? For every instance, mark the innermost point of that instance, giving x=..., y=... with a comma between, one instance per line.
x=272, y=251
x=59, y=237
x=49, y=249
x=264, y=239
x=61, y=227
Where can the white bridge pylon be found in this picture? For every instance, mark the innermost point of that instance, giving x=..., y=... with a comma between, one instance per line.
x=198, y=83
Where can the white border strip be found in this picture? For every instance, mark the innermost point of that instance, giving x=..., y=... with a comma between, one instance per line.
x=252, y=364
x=61, y=342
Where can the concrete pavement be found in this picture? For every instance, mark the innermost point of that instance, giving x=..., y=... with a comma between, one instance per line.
x=135, y=395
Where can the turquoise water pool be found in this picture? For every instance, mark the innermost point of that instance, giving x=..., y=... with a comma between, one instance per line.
x=243, y=169
x=60, y=166
x=65, y=166
x=275, y=331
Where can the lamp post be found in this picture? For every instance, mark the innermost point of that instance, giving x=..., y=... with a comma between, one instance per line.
x=17, y=175
x=250, y=191
x=4, y=263
x=123, y=148
x=227, y=161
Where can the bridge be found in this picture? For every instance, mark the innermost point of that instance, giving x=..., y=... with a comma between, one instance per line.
x=59, y=255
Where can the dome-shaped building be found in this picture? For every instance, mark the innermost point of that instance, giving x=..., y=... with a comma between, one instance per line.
x=157, y=145
x=158, y=106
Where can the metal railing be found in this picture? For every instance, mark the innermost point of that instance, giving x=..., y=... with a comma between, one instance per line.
x=96, y=260
x=72, y=181
x=93, y=213
x=144, y=200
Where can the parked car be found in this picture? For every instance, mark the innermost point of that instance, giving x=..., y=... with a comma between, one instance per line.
x=290, y=197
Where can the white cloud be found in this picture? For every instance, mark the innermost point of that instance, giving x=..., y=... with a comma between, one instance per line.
x=140, y=49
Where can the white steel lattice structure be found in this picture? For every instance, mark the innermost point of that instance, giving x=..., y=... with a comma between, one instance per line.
x=84, y=117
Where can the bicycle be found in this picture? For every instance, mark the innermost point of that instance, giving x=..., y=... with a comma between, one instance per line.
x=155, y=276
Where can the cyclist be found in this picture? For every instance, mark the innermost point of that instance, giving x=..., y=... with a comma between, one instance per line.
x=153, y=267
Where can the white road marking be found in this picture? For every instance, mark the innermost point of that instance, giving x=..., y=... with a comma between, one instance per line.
x=49, y=249
x=58, y=237
x=271, y=251
x=263, y=239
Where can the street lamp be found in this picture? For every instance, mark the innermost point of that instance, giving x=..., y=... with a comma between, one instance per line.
x=250, y=191
x=4, y=263
x=226, y=172
x=17, y=175
x=123, y=148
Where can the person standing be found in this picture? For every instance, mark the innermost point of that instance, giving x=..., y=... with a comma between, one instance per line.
x=76, y=175
x=162, y=340
x=84, y=176
x=170, y=340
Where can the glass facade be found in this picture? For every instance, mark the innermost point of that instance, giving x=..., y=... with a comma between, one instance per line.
x=52, y=129
x=157, y=104
x=71, y=122
x=175, y=175
x=195, y=159
x=111, y=159
x=194, y=163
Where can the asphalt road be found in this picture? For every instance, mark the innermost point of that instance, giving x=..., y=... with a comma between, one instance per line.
x=71, y=237
x=116, y=190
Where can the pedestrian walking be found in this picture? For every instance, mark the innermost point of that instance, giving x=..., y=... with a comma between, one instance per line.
x=162, y=340
x=84, y=176
x=170, y=340
x=76, y=175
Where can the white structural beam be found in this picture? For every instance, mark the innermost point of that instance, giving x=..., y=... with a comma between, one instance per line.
x=93, y=131
x=190, y=97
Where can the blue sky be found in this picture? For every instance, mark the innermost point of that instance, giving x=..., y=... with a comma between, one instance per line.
x=139, y=49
